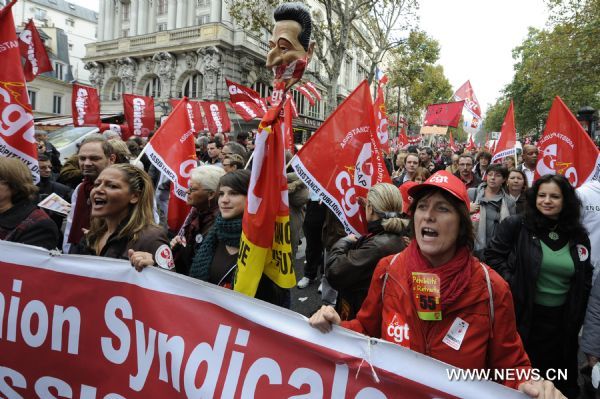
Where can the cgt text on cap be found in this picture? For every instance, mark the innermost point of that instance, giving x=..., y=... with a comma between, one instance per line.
x=446, y=181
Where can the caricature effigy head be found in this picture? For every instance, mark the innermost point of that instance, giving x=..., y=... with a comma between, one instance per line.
x=291, y=47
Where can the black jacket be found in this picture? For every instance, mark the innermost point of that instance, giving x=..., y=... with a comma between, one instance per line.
x=152, y=239
x=350, y=267
x=515, y=253
x=27, y=224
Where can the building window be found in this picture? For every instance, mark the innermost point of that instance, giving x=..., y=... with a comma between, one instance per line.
x=125, y=33
x=348, y=72
x=162, y=26
x=57, y=104
x=162, y=7
x=59, y=70
x=40, y=14
x=299, y=99
x=191, y=86
x=32, y=98
x=202, y=3
x=125, y=11
x=70, y=46
x=262, y=89
x=152, y=87
x=116, y=90
x=202, y=19
x=70, y=22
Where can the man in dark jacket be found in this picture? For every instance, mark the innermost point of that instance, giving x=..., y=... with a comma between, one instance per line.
x=47, y=186
x=465, y=171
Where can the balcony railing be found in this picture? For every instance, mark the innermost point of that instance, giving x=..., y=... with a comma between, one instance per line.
x=197, y=36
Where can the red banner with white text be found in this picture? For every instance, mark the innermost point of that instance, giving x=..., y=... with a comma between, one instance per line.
x=507, y=142
x=33, y=50
x=566, y=149
x=139, y=114
x=217, y=118
x=85, y=106
x=349, y=133
x=116, y=333
x=381, y=120
x=172, y=149
x=193, y=110
x=16, y=118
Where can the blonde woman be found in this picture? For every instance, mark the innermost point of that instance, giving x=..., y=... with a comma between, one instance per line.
x=351, y=262
x=122, y=219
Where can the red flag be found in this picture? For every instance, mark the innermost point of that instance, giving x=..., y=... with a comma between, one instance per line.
x=216, y=116
x=307, y=94
x=485, y=143
x=507, y=142
x=288, y=130
x=349, y=133
x=177, y=211
x=85, y=106
x=16, y=120
x=193, y=110
x=471, y=145
x=444, y=114
x=313, y=89
x=172, y=149
x=381, y=120
x=403, y=139
x=265, y=243
x=248, y=110
x=452, y=144
x=238, y=92
x=33, y=50
x=566, y=149
x=465, y=92
x=139, y=114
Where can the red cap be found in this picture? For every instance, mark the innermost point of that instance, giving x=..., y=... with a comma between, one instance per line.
x=406, y=199
x=445, y=181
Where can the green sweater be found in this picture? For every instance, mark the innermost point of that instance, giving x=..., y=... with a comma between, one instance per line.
x=554, y=280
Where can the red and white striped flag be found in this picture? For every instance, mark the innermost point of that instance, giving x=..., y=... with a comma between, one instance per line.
x=307, y=94
x=313, y=89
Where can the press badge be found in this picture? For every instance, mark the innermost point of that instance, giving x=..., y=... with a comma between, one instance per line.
x=455, y=335
x=426, y=291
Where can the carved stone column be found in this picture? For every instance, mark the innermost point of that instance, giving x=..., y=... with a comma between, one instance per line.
x=166, y=63
x=127, y=72
x=209, y=65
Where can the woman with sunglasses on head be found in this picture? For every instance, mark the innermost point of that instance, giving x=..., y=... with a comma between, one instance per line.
x=122, y=222
x=545, y=257
x=351, y=262
x=202, y=197
x=436, y=287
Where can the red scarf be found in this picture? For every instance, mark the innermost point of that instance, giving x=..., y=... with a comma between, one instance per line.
x=81, y=213
x=454, y=275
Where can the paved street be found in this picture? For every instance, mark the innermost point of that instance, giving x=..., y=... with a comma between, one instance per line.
x=307, y=300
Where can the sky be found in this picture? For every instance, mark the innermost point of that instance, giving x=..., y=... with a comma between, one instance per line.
x=477, y=37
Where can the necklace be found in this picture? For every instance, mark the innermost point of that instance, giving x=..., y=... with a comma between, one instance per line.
x=553, y=235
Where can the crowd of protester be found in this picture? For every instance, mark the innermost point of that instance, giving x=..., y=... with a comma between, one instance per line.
x=515, y=256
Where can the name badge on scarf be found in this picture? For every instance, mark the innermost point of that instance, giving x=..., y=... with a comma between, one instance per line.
x=426, y=291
